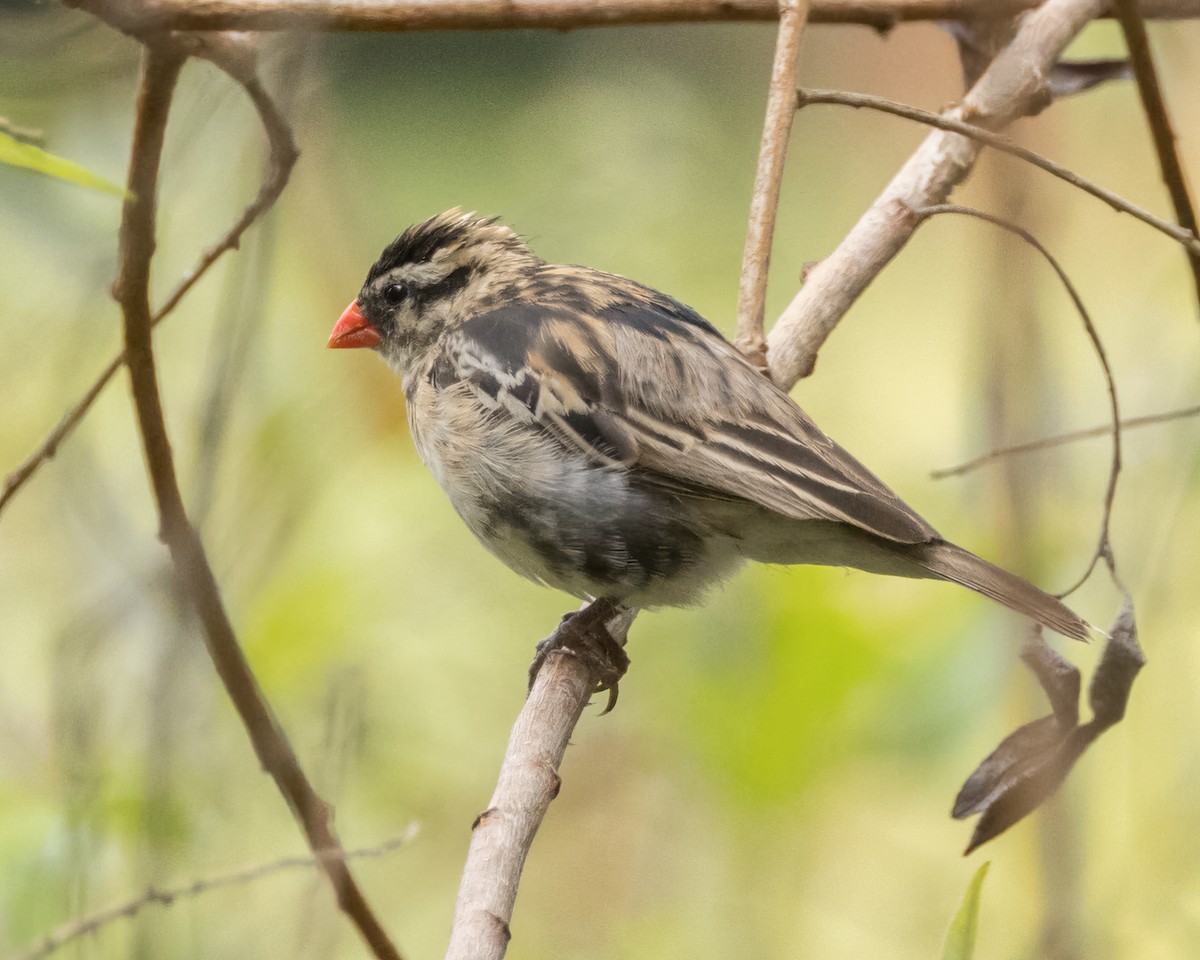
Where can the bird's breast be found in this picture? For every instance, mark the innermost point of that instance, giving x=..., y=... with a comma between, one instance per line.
x=557, y=517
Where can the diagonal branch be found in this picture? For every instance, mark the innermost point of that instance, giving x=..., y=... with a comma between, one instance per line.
x=528, y=782
x=764, y=206
x=408, y=15
x=1153, y=102
x=282, y=158
x=1013, y=84
x=164, y=58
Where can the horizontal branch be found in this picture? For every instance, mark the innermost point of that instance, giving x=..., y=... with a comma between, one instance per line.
x=404, y=15
x=94, y=922
x=1061, y=439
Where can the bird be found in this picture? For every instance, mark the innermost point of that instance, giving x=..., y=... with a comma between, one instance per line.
x=601, y=437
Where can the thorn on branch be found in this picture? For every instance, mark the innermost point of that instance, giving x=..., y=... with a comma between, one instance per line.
x=807, y=268
x=884, y=24
x=502, y=928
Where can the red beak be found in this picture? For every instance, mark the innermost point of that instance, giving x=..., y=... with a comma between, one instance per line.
x=352, y=330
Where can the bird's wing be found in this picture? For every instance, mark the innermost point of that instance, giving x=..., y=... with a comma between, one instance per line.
x=641, y=382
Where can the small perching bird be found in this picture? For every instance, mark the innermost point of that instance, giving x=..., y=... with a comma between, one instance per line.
x=603, y=438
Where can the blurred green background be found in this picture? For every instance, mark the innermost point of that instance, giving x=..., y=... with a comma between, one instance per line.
x=777, y=778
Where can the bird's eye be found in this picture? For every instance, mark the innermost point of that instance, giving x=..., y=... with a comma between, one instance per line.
x=394, y=294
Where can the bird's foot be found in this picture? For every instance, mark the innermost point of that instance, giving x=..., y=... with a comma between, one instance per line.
x=585, y=634
x=1030, y=764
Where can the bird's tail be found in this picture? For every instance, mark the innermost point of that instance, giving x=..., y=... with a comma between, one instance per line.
x=950, y=562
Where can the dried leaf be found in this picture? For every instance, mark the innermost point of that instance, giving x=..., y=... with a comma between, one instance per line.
x=1108, y=694
x=1014, y=760
x=1030, y=764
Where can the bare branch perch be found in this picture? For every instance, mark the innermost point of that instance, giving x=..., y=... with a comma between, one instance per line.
x=94, y=922
x=1155, y=105
x=1015, y=81
x=408, y=15
x=164, y=58
x=528, y=782
x=529, y=778
x=764, y=206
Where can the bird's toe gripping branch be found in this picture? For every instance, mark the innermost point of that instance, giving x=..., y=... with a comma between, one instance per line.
x=1030, y=764
x=585, y=634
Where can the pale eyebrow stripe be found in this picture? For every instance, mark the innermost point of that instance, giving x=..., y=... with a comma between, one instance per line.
x=420, y=274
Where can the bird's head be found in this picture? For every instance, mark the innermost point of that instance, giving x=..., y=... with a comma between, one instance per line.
x=432, y=276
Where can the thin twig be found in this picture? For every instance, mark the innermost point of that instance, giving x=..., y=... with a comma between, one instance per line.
x=282, y=158
x=1155, y=106
x=764, y=206
x=1179, y=234
x=164, y=58
x=409, y=15
x=49, y=447
x=1103, y=548
x=1012, y=85
x=1058, y=440
x=94, y=922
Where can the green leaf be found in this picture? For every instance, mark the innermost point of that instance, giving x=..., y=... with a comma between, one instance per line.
x=18, y=154
x=960, y=938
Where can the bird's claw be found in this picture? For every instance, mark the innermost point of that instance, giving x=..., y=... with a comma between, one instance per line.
x=585, y=634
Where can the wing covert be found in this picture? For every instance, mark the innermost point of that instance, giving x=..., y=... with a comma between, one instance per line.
x=638, y=381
